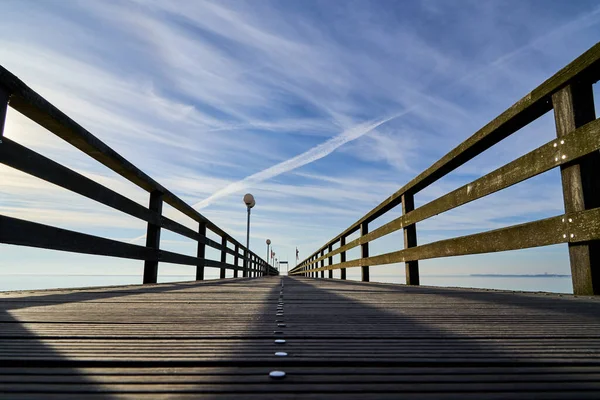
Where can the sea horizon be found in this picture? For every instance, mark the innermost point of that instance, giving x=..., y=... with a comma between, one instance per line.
x=528, y=283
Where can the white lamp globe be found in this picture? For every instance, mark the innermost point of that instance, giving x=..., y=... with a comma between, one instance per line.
x=249, y=200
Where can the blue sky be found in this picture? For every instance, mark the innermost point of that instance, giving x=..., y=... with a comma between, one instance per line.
x=321, y=109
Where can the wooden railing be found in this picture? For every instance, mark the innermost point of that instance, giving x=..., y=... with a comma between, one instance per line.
x=575, y=152
x=14, y=93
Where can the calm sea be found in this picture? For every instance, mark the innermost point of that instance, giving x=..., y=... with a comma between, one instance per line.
x=533, y=284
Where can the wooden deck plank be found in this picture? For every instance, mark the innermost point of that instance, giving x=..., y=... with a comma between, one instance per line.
x=344, y=340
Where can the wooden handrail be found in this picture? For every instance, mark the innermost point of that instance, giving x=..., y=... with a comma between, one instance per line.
x=578, y=146
x=17, y=95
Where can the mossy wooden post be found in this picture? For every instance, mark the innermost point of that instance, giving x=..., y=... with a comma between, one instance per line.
x=201, y=253
x=574, y=107
x=153, y=238
x=410, y=240
x=343, y=257
x=330, y=259
x=364, y=252
x=223, y=256
x=236, y=260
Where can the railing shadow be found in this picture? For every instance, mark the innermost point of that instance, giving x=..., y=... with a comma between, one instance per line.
x=33, y=366
x=567, y=304
x=216, y=340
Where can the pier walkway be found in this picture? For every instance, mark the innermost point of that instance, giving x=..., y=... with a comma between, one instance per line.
x=343, y=339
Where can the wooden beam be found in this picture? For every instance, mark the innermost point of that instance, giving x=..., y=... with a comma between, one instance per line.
x=201, y=252
x=364, y=252
x=577, y=227
x=330, y=261
x=574, y=107
x=410, y=240
x=322, y=264
x=236, y=260
x=26, y=233
x=153, y=238
x=223, y=256
x=343, y=257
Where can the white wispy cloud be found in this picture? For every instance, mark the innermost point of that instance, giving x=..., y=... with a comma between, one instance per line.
x=315, y=153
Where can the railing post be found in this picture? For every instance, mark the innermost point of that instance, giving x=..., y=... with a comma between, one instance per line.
x=236, y=260
x=153, y=238
x=223, y=256
x=330, y=259
x=364, y=250
x=201, y=252
x=574, y=107
x=410, y=240
x=245, y=263
x=322, y=263
x=4, y=96
x=343, y=258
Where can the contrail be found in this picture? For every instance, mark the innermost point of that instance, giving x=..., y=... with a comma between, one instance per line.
x=307, y=157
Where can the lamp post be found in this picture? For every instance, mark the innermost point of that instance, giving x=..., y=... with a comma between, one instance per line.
x=250, y=202
x=268, y=269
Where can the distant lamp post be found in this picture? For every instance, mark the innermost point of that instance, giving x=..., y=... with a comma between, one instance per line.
x=250, y=202
x=268, y=269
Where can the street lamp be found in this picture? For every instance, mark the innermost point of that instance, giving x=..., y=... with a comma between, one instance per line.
x=250, y=202
x=268, y=243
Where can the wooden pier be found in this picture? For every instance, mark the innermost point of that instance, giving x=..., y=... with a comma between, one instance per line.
x=344, y=340
x=321, y=338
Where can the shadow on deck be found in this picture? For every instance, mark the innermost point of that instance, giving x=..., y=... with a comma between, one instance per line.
x=344, y=340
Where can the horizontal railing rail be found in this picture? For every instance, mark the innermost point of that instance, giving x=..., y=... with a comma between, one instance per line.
x=575, y=151
x=17, y=95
